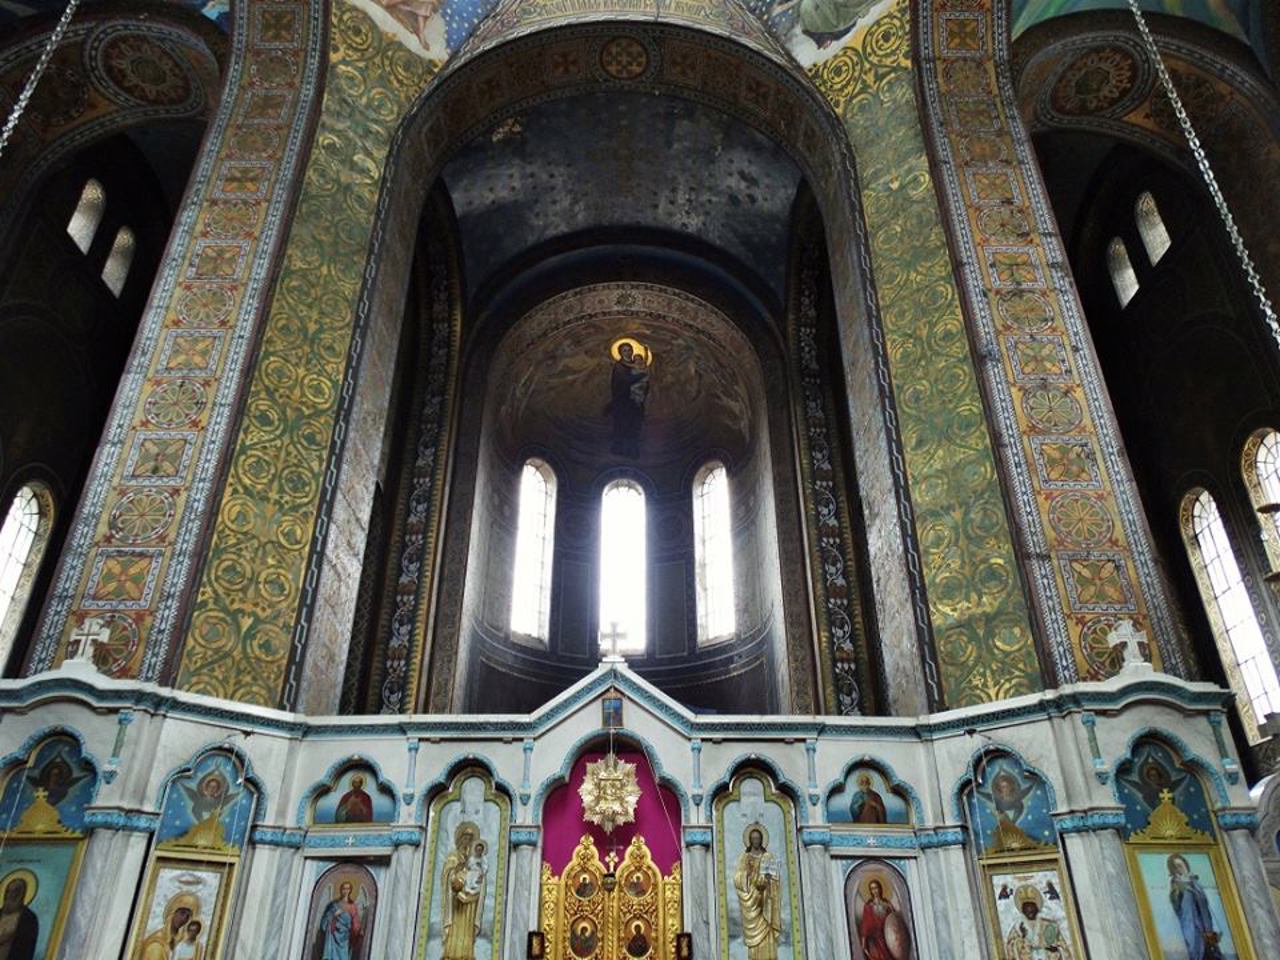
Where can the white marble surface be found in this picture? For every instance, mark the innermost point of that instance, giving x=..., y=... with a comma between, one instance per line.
x=98, y=921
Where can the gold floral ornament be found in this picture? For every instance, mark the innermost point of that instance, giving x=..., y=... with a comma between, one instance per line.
x=609, y=793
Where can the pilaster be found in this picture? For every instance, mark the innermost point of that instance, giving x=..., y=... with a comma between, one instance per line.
x=960, y=932
x=524, y=887
x=1106, y=904
x=822, y=912
x=699, y=895
x=274, y=875
x=98, y=920
x=1251, y=882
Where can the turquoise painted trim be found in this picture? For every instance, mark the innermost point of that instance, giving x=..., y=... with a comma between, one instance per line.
x=867, y=840
x=277, y=837
x=130, y=695
x=329, y=781
x=630, y=737
x=815, y=836
x=1179, y=747
x=1089, y=822
x=127, y=821
x=332, y=840
x=970, y=775
x=525, y=836
x=697, y=836
x=743, y=760
x=1238, y=820
x=450, y=773
x=23, y=753
x=932, y=840
x=890, y=777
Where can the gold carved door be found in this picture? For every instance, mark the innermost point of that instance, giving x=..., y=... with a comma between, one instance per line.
x=587, y=914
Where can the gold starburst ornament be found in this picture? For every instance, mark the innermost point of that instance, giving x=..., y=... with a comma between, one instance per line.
x=610, y=792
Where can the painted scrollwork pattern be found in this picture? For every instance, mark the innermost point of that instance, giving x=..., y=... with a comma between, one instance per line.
x=979, y=614
x=240, y=640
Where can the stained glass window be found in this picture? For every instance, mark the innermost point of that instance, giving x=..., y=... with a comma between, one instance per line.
x=713, y=553
x=535, y=546
x=623, y=569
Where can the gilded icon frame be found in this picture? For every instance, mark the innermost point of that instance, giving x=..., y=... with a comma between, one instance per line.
x=1042, y=861
x=179, y=859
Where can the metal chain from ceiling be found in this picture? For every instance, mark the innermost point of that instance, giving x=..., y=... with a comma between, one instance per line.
x=29, y=88
x=1206, y=172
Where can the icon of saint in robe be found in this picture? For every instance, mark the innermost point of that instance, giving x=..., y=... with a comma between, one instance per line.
x=463, y=880
x=582, y=939
x=1034, y=937
x=628, y=391
x=882, y=932
x=758, y=886
x=638, y=942
x=340, y=933
x=19, y=925
x=160, y=943
x=867, y=806
x=355, y=806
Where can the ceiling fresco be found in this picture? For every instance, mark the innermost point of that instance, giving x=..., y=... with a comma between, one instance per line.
x=1230, y=16
x=560, y=381
x=11, y=11
x=619, y=161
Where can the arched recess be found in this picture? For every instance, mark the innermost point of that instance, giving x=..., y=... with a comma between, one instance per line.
x=1189, y=366
x=561, y=62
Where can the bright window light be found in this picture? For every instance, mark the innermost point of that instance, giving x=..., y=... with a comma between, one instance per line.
x=622, y=568
x=1222, y=586
x=535, y=529
x=83, y=224
x=713, y=553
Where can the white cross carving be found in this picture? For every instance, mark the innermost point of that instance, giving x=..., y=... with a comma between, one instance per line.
x=87, y=636
x=612, y=636
x=1125, y=634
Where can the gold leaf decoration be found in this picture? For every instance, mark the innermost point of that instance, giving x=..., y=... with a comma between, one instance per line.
x=609, y=793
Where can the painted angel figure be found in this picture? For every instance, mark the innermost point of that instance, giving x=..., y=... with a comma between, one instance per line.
x=1007, y=795
x=341, y=931
x=210, y=796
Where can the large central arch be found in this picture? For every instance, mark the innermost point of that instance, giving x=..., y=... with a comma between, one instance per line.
x=497, y=79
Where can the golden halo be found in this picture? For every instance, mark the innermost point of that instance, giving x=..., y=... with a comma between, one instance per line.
x=1027, y=893
x=866, y=887
x=641, y=351
x=21, y=874
x=764, y=835
x=466, y=826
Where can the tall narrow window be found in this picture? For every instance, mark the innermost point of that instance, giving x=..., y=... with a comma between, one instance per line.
x=713, y=553
x=84, y=221
x=1155, y=236
x=1121, y=268
x=116, y=270
x=623, y=569
x=535, y=529
x=23, y=536
x=1226, y=599
x=1260, y=464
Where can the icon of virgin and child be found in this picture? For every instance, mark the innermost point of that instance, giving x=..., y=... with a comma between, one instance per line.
x=463, y=879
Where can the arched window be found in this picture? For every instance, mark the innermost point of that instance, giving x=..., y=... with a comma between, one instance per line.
x=83, y=225
x=1260, y=465
x=1121, y=268
x=1235, y=625
x=535, y=529
x=116, y=270
x=713, y=553
x=1155, y=236
x=23, y=537
x=623, y=570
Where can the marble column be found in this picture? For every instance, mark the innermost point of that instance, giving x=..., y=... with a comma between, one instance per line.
x=960, y=933
x=98, y=920
x=1251, y=881
x=402, y=889
x=270, y=877
x=819, y=904
x=699, y=890
x=1105, y=901
x=525, y=886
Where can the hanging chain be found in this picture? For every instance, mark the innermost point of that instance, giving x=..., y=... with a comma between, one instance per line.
x=1206, y=171
x=20, y=105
